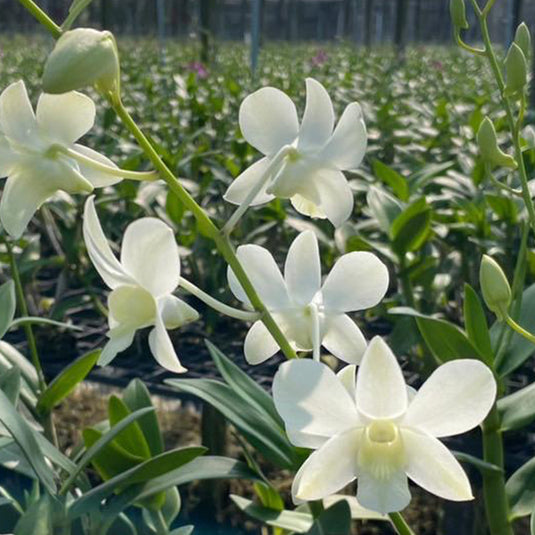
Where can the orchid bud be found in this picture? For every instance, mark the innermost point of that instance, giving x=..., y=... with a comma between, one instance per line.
x=81, y=58
x=523, y=39
x=458, y=14
x=489, y=149
x=495, y=287
x=516, y=68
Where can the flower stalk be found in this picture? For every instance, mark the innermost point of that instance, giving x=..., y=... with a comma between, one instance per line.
x=400, y=524
x=42, y=17
x=245, y=315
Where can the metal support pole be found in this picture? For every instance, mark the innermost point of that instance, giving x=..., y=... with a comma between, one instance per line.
x=255, y=34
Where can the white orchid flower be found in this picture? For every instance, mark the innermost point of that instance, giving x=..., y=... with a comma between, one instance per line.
x=142, y=284
x=40, y=156
x=303, y=163
x=310, y=313
x=380, y=432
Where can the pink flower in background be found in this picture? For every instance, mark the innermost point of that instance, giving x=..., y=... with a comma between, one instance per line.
x=320, y=58
x=199, y=69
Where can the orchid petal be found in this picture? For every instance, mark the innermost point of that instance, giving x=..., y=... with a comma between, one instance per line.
x=263, y=273
x=65, y=118
x=99, y=250
x=259, y=344
x=268, y=120
x=99, y=179
x=318, y=120
x=344, y=339
x=312, y=400
x=17, y=120
x=176, y=312
x=307, y=207
x=358, y=280
x=162, y=348
x=119, y=339
x=302, y=270
x=381, y=389
x=433, y=467
x=456, y=398
x=348, y=377
x=244, y=183
x=335, y=196
x=328, y=469
x=132, y=306
x=149, y=253
x=347, y=146
x=383, y=495
x=7, y=157
x=30, y=186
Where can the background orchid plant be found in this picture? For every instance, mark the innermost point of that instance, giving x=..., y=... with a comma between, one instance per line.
x=329, y=424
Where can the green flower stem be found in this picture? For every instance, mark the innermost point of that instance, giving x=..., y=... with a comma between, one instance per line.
x=42, y=17
x=399, y=523
x=113, y=171
x=496, y=504
x=519, y=329
x=245, y=315
x=514, y=125
x=206, y=225
x=47, y=419
x=23, y=308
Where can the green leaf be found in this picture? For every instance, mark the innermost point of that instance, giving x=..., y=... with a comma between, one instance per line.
x=8, y=305
x=102, y=442
x=199, y=469
x=136, y=396
x=392, y=178
x=503, y=207
x=445, y=340
x=10, y=356
x=519, y=349
x=384, y=207
x=23, y=435
x=289, y=520
x=131, y=438
x=244, y=386
x=476, y=325
x=482, y=466
x=66, y=382
x=411, y=228
x=520, y=489
x=254, y=425
x=336, y=520
x=111, y=460
x=10, y=383
x=517, y=410
x=160, y=465
x=37, y=518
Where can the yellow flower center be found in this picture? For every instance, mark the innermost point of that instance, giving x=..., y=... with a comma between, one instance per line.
x=382, y=452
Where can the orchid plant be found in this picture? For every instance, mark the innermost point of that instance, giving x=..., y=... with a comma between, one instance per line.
x=328, y=425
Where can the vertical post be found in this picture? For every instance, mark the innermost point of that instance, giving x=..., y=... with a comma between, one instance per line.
x=379, y=22
x=160, y=18
x=399, y=30
x=368, y=18
x=255, y=34
x=355, y=20
x=341, y=20
x=205, y=18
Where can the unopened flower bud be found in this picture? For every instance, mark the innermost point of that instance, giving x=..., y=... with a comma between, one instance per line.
x=516, y=69
x=81, y=58
x=495, y=287
x=489, y=149
x=523, y=39
x=458, y=14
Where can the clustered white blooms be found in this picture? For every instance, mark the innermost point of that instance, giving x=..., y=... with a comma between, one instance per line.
x=310, y=313
x=379, y=431
x=33, y=152
x=142, y=284
x=314, y=153
x=368, y=425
